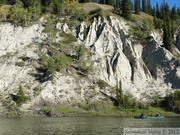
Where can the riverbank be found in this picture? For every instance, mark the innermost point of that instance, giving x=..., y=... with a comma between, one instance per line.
x=78, y=112
x=69, y=111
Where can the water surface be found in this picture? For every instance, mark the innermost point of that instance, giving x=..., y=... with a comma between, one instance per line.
x=80, y=125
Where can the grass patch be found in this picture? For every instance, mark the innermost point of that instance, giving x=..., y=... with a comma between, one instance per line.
x=67, y=110
x=108, y=109
x=151, y=110
x=44, y=110
x=142, y=17
x=93, y=6
x=5, y=9
x=68, y=38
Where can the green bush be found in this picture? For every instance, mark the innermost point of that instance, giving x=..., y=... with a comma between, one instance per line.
x=68, y=38
x=80, y=51
x=172, y=102
x=159, y=24
x=44, y=109
x=21, y=98
x=51, y=67
x=81, y=15
x=141, y=31
x=61, y=62
x=85, y=67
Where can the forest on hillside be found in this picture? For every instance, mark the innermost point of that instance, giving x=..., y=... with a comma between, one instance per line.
x=24, y=12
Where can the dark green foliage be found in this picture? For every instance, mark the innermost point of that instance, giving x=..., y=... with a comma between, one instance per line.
x=172, y=102
x=56, y=6
x=174, y=16
x=126, y=9
x=84, y=67
x=61, y=62
x=124, y=101
x=81, y=15
x=7, y=1
x=110, y=2
x=50, y=30
x=144, y=6
x=158, y=23
x=141, y=32
x=35, y=9
x=68, y=38
x=158, y=14
x=21, y=98
x=119, y=94
x=50, y=65
x=178, y=10
x=167, y=29
x=3, y=1
x=157, y=102
x=80, y=51
x=137, y=6
x=19, y=15
x=23, y=12
x=149, y=7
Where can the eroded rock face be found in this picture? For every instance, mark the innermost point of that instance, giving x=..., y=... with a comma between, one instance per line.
x=178, y=42
x=162, y=64
x=145, y=71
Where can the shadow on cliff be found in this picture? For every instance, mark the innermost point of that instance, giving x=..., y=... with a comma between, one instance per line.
x=115, y=102
x=161, y=64
x=41, y=76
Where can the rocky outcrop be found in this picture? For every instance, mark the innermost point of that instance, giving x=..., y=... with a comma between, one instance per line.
x=145, y=71
x=162, y=64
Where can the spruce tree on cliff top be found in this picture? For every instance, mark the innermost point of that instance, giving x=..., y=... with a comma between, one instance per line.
x=126, y=9
x=137, y=6
x=167, y=29
x=144, y=6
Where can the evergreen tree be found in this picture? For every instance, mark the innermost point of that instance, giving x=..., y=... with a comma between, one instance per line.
x=119, y=94
x=149, y=7
x=21, y=98
x=178, y=10
x=154, y=18
x=132, y=6
x=167, y=30
x=55, y=6
x=45, y=5
x=49, y=29
x=111, y=2
x=157, y=11
x=173, y=18
x=35, y=8
x=126, y=9
x=2, y=1
x=137, y=6
x=18, y=13
x=144, y=6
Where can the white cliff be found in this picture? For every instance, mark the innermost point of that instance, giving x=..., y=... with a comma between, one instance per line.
x=145, y=71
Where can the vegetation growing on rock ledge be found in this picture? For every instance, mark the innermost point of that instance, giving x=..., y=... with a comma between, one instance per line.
x=21, y=98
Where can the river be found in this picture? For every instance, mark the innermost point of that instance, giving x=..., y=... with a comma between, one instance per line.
x=80, y=125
